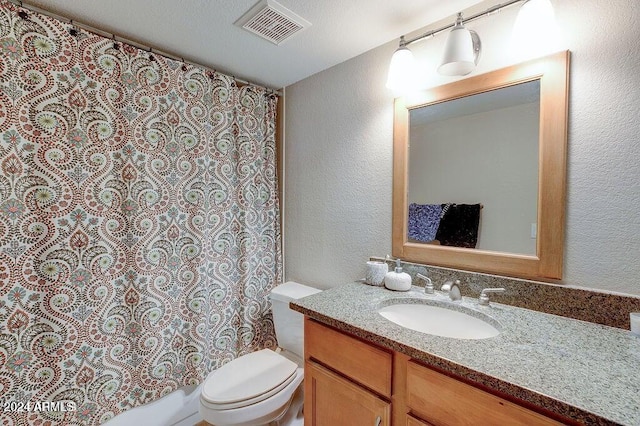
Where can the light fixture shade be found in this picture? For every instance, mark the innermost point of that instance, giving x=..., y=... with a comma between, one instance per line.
x=461, y=52
x=535, y=30
x=401, y=70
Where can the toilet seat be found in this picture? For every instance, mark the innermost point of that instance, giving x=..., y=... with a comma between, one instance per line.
x=260, y=413
x=248, y=380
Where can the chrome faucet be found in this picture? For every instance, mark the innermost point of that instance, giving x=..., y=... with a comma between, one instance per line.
x=452, y=288
x=428, y=285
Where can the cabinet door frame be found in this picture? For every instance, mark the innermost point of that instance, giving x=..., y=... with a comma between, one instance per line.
x=316, y=374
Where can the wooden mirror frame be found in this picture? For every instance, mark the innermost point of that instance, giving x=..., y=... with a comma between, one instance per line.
x=553, y=73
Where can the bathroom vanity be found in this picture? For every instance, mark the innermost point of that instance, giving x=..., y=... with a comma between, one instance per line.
x=357, y=383
x=540, y=370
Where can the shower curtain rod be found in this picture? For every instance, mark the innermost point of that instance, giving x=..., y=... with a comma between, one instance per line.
x=134, y=43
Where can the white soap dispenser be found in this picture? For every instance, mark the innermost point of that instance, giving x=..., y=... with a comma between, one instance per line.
x=397, y=280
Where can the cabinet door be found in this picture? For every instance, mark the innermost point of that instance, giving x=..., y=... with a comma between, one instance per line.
x=331, y=400
x=412, y=421
x=443, y=400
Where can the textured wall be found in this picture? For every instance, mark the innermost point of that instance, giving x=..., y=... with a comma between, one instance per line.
x=339, y=151
x=338, y=171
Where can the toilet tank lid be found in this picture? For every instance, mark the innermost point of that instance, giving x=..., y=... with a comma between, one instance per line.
x=292, y=290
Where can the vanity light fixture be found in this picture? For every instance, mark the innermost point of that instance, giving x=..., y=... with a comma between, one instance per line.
x=401, y=69
x=535, y=30
x=462, y=49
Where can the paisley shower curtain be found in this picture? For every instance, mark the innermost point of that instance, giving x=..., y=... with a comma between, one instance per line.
x=139, y=222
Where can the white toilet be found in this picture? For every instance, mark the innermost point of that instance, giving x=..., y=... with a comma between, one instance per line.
x=263, y=387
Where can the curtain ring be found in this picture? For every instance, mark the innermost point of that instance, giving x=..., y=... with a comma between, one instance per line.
x=73, y=31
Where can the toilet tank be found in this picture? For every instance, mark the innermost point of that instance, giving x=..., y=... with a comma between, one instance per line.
x=288, y=323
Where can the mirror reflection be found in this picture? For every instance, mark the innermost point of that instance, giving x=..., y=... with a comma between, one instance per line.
x=473, y=171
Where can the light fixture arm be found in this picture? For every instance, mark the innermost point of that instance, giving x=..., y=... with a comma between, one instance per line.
x=459, y=20
x=428, y=34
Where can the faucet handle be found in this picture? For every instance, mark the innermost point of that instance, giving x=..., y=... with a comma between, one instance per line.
x=452, y=288
x=428, y=285
x=484, y=295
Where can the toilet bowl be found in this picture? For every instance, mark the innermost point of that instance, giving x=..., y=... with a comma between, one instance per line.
x=263, y=387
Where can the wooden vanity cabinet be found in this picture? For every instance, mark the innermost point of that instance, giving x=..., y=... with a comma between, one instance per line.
x=347, y=381
x=352, y=382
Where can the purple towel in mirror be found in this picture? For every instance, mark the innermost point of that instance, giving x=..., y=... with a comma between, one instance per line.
x=424, y=220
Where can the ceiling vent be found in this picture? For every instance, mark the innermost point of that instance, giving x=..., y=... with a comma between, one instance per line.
x=272, y=21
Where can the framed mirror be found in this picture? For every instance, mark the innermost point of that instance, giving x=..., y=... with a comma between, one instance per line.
x=479, y=176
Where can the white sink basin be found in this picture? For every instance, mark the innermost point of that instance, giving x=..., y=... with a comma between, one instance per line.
x=441, y=321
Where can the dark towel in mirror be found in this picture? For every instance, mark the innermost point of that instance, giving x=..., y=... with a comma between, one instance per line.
x=459, y=225
x=424, y=220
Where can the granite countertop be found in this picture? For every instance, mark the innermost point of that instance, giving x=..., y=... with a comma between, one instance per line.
x=581, y=370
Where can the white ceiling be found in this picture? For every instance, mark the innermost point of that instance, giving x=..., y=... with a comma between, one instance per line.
x=203, y=31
